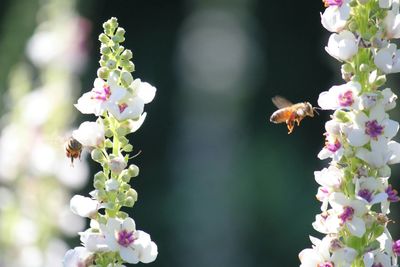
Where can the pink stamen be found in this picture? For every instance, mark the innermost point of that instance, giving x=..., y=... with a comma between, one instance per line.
x=373, y=129
x=122, y=107
x=125, y=238
x=103, y=94
x=332, y=2
x=347, y=214
x=346, y=99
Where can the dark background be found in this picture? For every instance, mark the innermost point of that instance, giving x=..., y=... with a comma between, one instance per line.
x=219, y=185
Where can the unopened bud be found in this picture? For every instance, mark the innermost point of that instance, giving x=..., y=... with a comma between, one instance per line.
x=98, y=156
x=105, y=50
x=103, y=73
x=381, y=80
x=112, y=185
x=127, y=54
x=111, y=64
x=104, y=39
x=117, y=164
x=133, y=170
x=126, y=78
x=129, y=202
x=100, y=176
x=364, y=67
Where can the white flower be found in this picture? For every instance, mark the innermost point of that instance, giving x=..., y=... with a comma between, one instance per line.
x=392, y=24
x=94, y=240
x=78, y=257
x=387, y=59
x=327, y=222
x=96, y=101
x=349, y=212
x=90, y=134
x=84, y=206
x=370, y=189
x=376, y=258
x=117, y=164
x=381, y=153
x=130, y=105
x=330, y=180
x=342, y=46
x=389, y=99
x=333, y=144
x=343, y=96
x=372, y=128
x=111, y=185
x=335, y=17
x=320, y=255
x=133, y=245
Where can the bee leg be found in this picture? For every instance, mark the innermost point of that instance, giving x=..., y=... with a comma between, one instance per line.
x=290, y=126
x=298, y=122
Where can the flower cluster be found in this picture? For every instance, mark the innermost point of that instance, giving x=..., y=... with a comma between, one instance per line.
x=118, y=100
x=36, y=179
x=354, y=190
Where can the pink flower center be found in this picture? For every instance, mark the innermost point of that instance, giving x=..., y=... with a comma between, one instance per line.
x=346, y=99
x=326, y=264
x=333, y=3
x=365, y=194
x=102, y=94
x=347, y=214
x=373, y=129
x=333, y=147
x=122, y=107
x=396, y=247
x=125, y=238
x=392, y=194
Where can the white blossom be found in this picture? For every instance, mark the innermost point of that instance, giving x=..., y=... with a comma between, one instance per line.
x=133, y=246
x=84, y=206
x=334, y=18
x=90, y=134
x=342, y=46
x=387, y=59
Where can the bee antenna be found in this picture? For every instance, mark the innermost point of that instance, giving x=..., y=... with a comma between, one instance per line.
x=317, y=108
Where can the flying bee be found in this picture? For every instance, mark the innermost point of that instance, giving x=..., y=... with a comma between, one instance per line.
x=290, y=113
x=73, y=149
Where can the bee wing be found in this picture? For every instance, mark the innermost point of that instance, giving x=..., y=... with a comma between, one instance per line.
x=281, y=102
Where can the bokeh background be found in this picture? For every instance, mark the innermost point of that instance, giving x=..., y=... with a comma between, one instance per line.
x=219, y=184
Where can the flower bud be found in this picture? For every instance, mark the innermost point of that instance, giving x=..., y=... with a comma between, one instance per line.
x=132, y=193
x=105, y=50
x=129, y=202
x=108, y=133
x=125, y=186
x=100, y=176
x=117, y=164
x=127, y=148
x=98, y=156
x=104, y=39
x=128, y=65
x=112, y=185
x=111, y=64
x=341, y=115
x=127, y=54
x=108, y=143
x=103, y=73
x=381, y=80
x=133, y=170
x=364, y=67
x=126, y=78
x=101, y=195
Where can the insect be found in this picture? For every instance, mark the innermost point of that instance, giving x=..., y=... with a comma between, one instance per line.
x=290, y=113
x=73, y=149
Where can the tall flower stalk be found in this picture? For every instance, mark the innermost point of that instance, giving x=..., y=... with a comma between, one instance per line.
x=118, y=102
x=355, y=190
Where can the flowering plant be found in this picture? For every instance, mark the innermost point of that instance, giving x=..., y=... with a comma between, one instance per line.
x=118, y=100
x=354, y=189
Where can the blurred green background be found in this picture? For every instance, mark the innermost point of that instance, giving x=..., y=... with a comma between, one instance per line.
x=219, y=184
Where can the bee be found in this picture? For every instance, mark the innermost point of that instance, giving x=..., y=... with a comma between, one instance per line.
x=291, y=113
x=73, y=149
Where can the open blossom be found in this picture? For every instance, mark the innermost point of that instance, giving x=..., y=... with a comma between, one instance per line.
x=96, y=101
x=372, y=128
x=320, y=254
x=350, y=212
x=78, y=257
x=90, y=134
x=133, y=245
x=330, y=180
x=376, y=258
x=392, y=24
x=342, y=46
x=130, y=105
x=387, y=59
x=343, y=96
x=84, y=206
x=335, y=16
x=370, y=190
